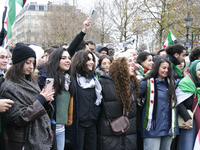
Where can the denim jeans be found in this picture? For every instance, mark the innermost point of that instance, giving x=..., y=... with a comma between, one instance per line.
x=157, y=143
x=186, y=138
x=60, y=137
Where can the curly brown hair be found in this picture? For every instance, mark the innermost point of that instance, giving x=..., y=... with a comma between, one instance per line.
x=120, y=73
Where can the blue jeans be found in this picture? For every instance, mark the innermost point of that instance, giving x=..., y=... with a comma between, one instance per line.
x=157, y=143
x=60, y=138
x=186, y=138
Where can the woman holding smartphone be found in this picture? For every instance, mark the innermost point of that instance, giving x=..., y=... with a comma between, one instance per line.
x=26, y=124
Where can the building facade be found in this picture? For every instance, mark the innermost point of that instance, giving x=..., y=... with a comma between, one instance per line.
x=29, y=24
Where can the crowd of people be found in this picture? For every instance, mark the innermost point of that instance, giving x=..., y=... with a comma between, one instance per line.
x=94, y=86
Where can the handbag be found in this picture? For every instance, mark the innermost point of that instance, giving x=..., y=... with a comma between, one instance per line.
x=120, y=125
x=181, y=121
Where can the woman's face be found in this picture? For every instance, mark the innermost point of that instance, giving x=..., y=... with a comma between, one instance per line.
x=28, y=66
x=131, y=69
x=181, y=65
x=198, y=73
x=65, y=62
x=163, y=70
x=134, y=56
x=3, y=60
x=90, y=62
x=148, y=63
x=105, y=64
x=131, y=60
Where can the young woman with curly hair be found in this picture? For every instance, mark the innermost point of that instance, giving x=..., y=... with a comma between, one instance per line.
x=118, y=93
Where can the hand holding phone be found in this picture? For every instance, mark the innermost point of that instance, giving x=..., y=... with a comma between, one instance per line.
x=49, y=83
x=93, y=16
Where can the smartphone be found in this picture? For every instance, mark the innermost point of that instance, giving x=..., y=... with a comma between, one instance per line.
x=93, y=16
x=49, y=83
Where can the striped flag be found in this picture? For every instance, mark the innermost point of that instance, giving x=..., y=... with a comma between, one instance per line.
x=171, y=40
x=197, y=142
x=8, y=18
x=197, y=42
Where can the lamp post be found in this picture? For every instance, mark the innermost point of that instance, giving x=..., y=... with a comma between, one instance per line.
x=188, y=22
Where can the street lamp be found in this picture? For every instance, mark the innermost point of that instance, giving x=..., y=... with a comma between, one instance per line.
x=188, y=22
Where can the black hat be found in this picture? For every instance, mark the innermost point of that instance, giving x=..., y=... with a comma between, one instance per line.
x=22, y=52
x=100, y=48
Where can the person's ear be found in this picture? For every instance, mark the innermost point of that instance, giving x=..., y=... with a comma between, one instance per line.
x=176, y=55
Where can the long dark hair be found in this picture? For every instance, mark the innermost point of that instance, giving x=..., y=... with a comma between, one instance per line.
x=154, y=74
x=14, y=73
x=54, y=71
x=79, y=65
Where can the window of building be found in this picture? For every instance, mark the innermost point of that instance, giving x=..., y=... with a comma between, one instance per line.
x=29, y=22
x=45, y=7
x=29, y=14
x=36, y=7
x=36, y=30
x=36, y=15
x=36, y=22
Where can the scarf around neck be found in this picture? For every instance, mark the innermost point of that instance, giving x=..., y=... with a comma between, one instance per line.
x=150, y=104
x=24, y=94
x=143, y=71
x=67, y=81
x=179, y=71
x=90, y=83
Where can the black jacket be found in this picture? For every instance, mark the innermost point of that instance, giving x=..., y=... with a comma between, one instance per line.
x=88, y=112
x=107, y=140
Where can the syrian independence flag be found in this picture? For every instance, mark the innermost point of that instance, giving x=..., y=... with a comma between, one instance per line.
x=171, y=40
x=197, y=142
x=185, y=89
x=8, y=15
x=197, y=42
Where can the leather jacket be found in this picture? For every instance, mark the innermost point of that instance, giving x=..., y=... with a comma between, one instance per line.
x=14, y=134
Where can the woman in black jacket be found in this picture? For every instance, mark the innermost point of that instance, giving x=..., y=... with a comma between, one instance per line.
x=88, y=97
x=122, y=86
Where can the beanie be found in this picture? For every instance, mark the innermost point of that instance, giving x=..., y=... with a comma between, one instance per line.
x=198, y=66
x=21, y=52
x=100, y=48
x=38, y=51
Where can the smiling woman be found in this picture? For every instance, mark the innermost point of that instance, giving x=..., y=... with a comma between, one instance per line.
x=157, y=131
x=88, y=95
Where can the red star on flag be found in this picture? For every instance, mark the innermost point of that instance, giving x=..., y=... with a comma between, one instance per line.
x=6, y=21
x=164, y=46
x=152, y=91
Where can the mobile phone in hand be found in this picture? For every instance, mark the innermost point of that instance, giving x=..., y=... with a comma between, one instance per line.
x=93, y=16
x=49, y=83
